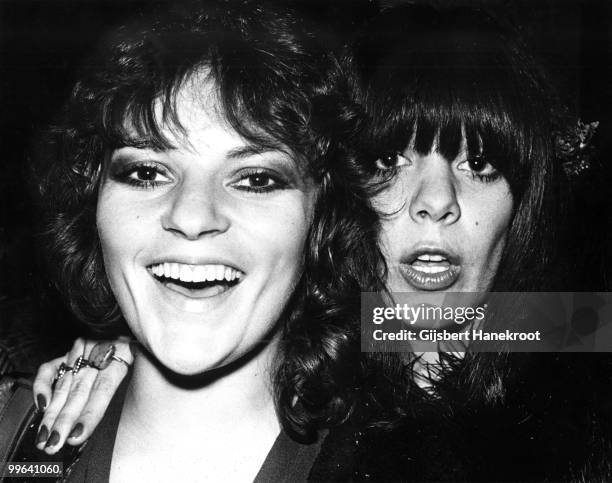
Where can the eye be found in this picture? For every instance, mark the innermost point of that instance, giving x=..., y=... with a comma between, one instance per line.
x=479, y=168
x=259, y=181
x=146, y=173
x=143, y=175
x=391, y=160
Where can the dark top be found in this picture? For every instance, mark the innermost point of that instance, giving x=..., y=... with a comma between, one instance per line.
x=287, y=461
x=549, y=420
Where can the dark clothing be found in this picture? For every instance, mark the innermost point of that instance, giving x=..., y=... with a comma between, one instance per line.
x=545, y=417
x=538, y=417
x=287, y=461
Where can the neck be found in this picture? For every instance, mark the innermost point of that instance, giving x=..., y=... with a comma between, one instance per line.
x=241, y=397
x=209, y=427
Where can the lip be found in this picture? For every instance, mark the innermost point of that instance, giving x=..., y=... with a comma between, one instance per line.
x=433, y=275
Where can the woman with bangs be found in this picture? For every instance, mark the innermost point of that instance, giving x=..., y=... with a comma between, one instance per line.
x=459, y=136
x=463, y=118
x=457, y=126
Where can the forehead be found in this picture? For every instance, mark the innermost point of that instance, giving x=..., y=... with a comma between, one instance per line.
x=192, y=117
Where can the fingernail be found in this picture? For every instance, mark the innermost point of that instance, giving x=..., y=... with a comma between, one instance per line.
x=43, y=434
x=76, y=431
x=53, y=439
x=41, y=402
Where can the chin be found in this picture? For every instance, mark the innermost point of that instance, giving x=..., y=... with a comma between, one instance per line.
x=186, y=355
x=190, y=356
x=188, y=361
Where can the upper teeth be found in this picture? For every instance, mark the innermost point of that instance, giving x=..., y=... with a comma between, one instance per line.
x=195, y=273
x=431, y=258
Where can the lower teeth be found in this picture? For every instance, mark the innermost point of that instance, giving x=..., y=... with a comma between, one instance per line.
x=423, y=269
x=196, y=285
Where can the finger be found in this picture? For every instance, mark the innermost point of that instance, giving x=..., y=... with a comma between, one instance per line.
x=43, y=383
x=104, y=388
x=78, y=394
x=72, y=397
x=75, y=398
x=60, y=394
x=58, y=398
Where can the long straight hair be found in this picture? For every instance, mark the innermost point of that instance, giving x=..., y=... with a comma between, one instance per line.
x=433, y=76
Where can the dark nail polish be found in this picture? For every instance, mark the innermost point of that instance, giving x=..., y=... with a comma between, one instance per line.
x=41, y=402
x=76, y=431
x=53, y=439
x=43, y=434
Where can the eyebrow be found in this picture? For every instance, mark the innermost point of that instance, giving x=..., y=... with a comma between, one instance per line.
x=142, y=143
x=251, y=150
x=241, y=152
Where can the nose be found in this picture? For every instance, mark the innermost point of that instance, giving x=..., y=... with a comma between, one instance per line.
x=195, y=211
x=435, y=195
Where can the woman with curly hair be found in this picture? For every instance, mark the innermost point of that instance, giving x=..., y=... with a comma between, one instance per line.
x=195, y=197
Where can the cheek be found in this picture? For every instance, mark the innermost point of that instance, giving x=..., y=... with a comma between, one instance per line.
x=394, y=232
x=110, y=224
x=392, y=198
x=277, y=236
x=390, y=239
x=291, y=240
x=280, y=246
x=123, y=228
x=489, y=222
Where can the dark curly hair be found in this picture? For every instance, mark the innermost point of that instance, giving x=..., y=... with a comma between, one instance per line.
x=279, y=83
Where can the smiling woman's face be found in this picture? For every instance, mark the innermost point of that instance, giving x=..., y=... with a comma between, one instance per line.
x=446, y=222
x=203, y=244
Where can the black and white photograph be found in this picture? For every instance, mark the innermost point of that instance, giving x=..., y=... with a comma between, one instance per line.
x=306, y=240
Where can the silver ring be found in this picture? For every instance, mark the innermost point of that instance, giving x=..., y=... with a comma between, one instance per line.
x=79, y=364
x=61, y=371
x=123, y=361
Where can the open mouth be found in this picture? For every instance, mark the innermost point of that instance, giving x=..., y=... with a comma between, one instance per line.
x=196, y=281
x=430, y=270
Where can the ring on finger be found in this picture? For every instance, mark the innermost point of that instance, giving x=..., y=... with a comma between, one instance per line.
x=80, y=363
x=102, y=354
x=62, y=370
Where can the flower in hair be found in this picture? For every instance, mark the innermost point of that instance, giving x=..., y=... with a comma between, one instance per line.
x=574, y=148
